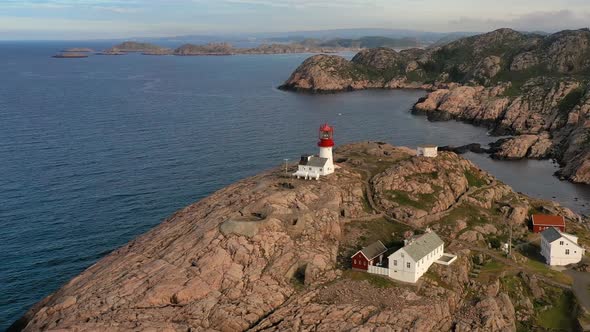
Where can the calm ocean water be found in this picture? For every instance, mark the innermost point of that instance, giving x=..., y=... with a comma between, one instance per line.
x=95, y=151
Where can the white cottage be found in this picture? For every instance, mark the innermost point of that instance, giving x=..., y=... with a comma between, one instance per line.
x=409, y=263
x=429, y=151
x=312, y=167
x=560, y=248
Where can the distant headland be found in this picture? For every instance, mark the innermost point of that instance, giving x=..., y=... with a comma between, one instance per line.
x=214, y=49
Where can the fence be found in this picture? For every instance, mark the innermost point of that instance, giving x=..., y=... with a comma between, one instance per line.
x=378, y=270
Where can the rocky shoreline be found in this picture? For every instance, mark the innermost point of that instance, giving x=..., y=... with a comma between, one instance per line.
x=272, y=253
x=532, y=87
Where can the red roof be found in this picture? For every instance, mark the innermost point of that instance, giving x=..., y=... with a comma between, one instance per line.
x=548, y=220
x=326, y=127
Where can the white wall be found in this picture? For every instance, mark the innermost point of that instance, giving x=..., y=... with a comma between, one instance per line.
x=561, y=252
x=329, y=166
x=427, y=152
x=416, y=270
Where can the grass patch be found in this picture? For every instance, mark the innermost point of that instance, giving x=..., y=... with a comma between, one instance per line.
x=390, y=233
x=472, y=214
x=571, y=100
x=560, y=315
x=491, y=270
x=473, y=179
x=536, y=263
x=423, y=201
x=373, y=279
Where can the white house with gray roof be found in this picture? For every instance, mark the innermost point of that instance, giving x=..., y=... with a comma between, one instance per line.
x=312, y=167
x=410, y=262
x=560, y=248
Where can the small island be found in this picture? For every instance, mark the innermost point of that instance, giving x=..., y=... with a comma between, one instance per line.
x=79, y=50
x=69, y=55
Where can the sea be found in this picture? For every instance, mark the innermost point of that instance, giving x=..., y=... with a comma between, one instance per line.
x=95, y=151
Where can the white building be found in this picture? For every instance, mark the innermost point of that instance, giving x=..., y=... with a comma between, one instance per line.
x=409, y=263
x=312, y=167
x=429, y=151
x=560, y=248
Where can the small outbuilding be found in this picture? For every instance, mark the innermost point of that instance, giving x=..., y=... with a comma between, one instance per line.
x=429, y=151
x=369, y=256
x=542, y=222
x=560, y=248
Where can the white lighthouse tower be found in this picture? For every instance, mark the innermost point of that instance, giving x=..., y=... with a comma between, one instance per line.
x=312, y=167
x=326, y=144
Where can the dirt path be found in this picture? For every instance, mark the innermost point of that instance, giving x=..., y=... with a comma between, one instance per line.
x=581, y=288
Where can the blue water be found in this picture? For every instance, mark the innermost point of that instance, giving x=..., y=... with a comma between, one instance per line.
x=95, y=151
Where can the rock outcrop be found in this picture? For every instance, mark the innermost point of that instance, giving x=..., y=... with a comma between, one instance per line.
x=271, y=253
x=513, y=83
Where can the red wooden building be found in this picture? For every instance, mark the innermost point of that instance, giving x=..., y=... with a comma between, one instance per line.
x=542, y=222
x=370, y=255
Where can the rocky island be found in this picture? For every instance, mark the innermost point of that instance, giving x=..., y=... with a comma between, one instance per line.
x=531, y=86
x=130, y=46
x=305, y=46
x=272, y=253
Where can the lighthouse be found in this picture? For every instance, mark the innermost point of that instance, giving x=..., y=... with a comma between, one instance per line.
x=326, y=144
x=312, y=167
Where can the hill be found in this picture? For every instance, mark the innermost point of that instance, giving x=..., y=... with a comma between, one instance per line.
x=511, y=82
x=272, y=253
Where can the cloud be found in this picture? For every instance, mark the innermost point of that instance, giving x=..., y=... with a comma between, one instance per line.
x=548, y=21
x=118, y=10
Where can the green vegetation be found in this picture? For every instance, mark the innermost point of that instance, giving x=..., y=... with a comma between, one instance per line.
x=373, y=279
x=423, y=201
x=571, y=100
x=388, y=232
x=473, y=215
x=491, y=270
x=495, y=243
x=560, y=314
x=536, y=263
x=473, y=179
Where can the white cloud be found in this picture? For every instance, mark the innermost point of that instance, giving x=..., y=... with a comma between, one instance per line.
x=544, y=21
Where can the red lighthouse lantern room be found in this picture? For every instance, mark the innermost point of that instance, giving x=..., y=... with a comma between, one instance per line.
x=326, y=136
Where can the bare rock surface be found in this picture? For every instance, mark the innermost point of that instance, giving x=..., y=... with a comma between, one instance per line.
x=272, y=253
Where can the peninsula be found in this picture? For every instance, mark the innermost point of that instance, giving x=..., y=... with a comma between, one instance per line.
x=531, y=86
x=272, y=253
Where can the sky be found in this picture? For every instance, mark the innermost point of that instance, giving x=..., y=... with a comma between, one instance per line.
x=103, y=19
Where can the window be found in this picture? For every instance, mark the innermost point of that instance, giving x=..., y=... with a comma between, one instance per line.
x=355, y=261
x=560, y=243
x=321, y=169
x=408, y=265
x=567, y=251
x=395, y=262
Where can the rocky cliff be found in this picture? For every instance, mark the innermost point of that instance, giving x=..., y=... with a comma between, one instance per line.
x=271, y=253
x=513, y=83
